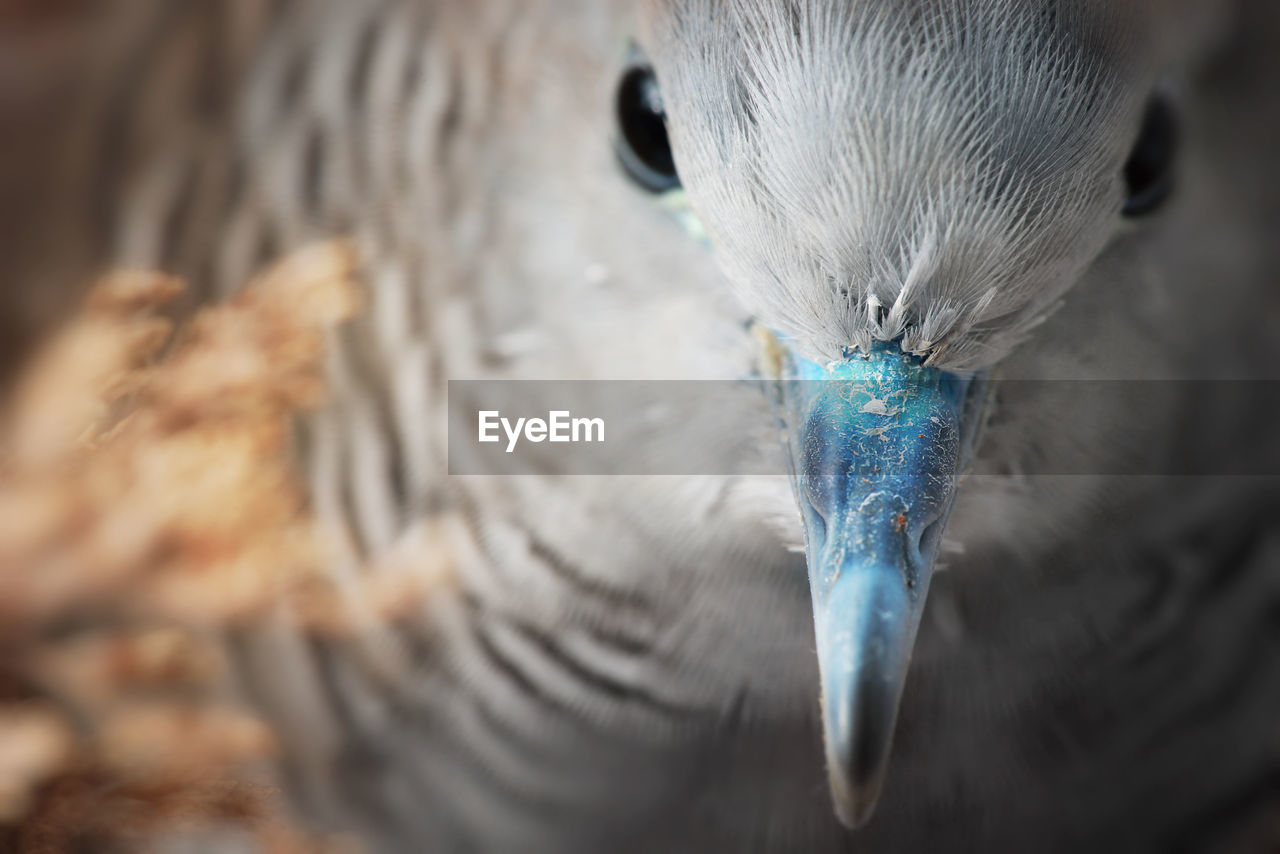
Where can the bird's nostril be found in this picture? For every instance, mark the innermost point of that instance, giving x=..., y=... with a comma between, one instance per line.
x=925, y=543
x=821, y=492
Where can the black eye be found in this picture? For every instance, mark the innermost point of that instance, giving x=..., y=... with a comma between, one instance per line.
x=642, y=145
x=1149, y=172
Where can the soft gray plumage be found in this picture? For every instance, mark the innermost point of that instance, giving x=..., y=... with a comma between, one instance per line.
x=872, y=171
x=627, y=663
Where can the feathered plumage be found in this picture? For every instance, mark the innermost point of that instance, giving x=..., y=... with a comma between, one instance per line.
x=937, y=172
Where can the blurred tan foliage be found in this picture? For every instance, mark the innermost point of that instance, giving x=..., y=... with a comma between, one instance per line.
x=147, y=502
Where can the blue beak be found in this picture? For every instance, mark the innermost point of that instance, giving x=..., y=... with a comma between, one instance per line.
x=877, y=443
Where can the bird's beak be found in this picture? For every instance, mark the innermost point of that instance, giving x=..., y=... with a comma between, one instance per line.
x=876, y=443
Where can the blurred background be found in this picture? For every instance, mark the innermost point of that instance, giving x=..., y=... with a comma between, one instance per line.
x=146, y=488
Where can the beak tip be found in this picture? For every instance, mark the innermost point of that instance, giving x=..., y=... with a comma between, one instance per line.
x=855, y=802
x=865, y=631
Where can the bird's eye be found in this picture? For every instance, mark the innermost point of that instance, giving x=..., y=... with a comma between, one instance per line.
x=1148, y=174
x=642, y=144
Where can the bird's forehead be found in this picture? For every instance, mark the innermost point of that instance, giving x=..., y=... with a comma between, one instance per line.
x=992, y=91
x=912, y=23
x=1012, y=78
x=841, y=151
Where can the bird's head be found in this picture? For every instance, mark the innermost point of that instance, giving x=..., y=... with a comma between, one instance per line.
x=898, y=192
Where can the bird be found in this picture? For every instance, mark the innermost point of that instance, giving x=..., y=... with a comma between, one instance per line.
x=913, y=225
